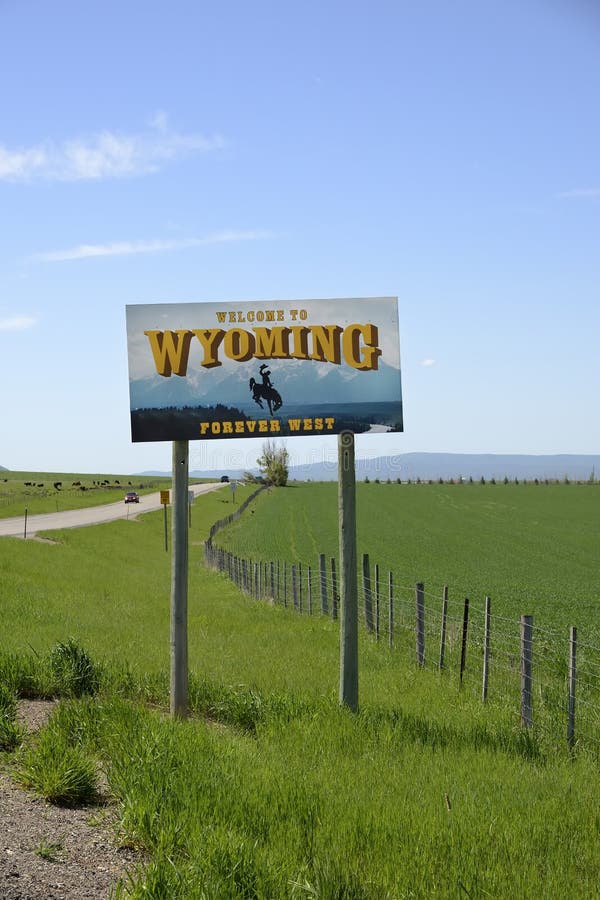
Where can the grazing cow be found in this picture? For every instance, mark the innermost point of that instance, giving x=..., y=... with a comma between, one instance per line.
x=117, y=481
x=27, y=483
x=82, y=487
x=57, y=485
x=76, y=484
x=41, y=485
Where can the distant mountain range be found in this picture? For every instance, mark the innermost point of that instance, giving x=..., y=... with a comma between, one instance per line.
x=426, y=466
x=297, y=381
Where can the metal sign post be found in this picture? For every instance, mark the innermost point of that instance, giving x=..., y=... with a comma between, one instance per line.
x=348, y=580
x=233, y=487
x=179, y=581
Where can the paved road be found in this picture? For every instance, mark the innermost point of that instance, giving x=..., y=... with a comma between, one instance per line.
x=92, y=515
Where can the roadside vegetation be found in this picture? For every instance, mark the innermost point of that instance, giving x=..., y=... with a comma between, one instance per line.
x=48, y=492
x=269, y=789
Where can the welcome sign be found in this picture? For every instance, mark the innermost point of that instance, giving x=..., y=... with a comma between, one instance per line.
x=203, y=371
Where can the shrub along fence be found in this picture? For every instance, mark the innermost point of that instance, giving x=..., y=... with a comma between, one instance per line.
x=552, y=680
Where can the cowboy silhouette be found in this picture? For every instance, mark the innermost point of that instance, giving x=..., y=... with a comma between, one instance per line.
x=265, y=374
x=265, y=391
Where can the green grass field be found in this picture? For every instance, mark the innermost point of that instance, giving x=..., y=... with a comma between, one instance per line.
x=270, y=790
x=533, y=548
x=36, y=491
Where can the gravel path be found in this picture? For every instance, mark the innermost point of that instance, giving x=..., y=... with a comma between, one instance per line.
x=52, y=853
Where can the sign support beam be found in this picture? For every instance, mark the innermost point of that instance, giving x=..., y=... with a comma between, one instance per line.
x=348, y=579
x=179, y=581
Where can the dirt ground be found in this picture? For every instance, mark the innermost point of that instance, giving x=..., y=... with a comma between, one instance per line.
x=52, y=853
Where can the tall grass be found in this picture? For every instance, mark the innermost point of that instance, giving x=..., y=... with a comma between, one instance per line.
x=269, y=789
x=326, y=804
x=10, y=732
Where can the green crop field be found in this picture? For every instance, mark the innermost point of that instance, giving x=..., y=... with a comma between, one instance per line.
x=535, y=549
x=270, y=790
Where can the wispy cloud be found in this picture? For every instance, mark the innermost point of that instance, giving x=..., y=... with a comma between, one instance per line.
x=581, y=194
x=105, y=155
x=427, y=363
x=130, y=248
x=17, y=323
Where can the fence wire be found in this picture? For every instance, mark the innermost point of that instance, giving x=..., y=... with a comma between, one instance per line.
x=442, y=632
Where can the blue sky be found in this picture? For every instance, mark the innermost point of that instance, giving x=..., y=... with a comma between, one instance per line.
x=444, y=152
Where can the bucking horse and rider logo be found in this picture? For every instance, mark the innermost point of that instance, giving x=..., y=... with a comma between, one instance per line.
x=264, y=390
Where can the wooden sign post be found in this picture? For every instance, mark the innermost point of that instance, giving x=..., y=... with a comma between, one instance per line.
x=165, y=499
x=354, y=341
x=179, y=581
x=348, y=581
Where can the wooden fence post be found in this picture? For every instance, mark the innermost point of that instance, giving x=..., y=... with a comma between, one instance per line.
x=367, y=592
x=323, y=580
x=420, y=623
x=486, y=650
x=294, y=588
x=444, y=620
x=334, y=593
x=572, y=686
x=391, y=609
x=526, y=671
x=465, y=630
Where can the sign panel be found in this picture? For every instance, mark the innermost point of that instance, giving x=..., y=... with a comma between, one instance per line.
x=205, y=371
x=164, y=497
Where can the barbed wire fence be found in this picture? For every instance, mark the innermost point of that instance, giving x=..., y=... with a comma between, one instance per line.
x=550, y=678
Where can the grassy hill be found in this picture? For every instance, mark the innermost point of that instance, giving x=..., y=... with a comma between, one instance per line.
x=271, y=790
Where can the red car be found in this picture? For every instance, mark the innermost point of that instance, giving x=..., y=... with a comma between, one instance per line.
x=132, y=497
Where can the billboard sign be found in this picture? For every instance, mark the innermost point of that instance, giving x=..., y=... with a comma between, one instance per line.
x=206, y=371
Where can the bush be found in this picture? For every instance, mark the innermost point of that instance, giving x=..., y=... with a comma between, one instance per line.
x=74, y=670
x=10, y=733
x=57, y=771
x=8, y=702
x=274, y=464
